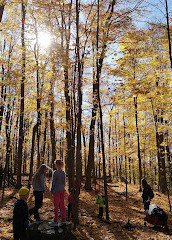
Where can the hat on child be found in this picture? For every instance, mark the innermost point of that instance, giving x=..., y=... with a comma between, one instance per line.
x=96, y=191
x=23, y=191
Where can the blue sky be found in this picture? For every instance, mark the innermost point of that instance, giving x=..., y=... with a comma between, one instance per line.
x=155, y=10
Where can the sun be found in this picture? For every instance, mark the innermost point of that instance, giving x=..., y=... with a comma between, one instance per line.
x=44, y=39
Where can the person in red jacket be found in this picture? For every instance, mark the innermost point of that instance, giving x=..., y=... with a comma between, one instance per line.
x=71, y=201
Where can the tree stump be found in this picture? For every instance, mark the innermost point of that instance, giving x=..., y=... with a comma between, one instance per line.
x=43, y=231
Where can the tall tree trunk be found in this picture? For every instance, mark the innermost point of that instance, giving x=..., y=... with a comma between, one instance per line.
x=38, y=100
x=99, y=64
x=116, y=147
x=90, y=162
x=45, y=139
x=52, y=127
x=3, y=87
x=138, y=143
x=85, y=153
x=69, y=123
x=160, y=153
x=3, y=92
x=168, y=31
x=110, y=176
x=8, y=150
x=32, y=153
x=79, y=116
x=129, y=168
x=21, y=123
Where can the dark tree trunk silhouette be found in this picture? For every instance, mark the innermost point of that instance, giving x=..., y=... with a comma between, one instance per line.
x=8, y=149
x=45, y=139
x=32, y=153
x=69, y=120
x=21, y=123
x=99, y=64
x=79, y=116
x=168, y=31
x=52, y=127
x=90, y=162
x=162, y=181
x=138, y=143
x=1, y=11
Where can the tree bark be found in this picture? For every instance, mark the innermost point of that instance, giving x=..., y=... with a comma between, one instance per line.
x=21, y=123
x=32, y=153
x=99, y=64
x=1, y=11
x=160, y=153
x=138, y=143
x=8, y=150
x=168, y=31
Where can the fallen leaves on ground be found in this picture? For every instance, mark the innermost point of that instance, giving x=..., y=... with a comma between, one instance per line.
x=91, y=227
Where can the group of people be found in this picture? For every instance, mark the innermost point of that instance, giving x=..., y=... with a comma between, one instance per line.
x=147, y=195
x=21, y=213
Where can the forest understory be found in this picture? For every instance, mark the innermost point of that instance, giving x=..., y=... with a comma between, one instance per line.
x=90, y=226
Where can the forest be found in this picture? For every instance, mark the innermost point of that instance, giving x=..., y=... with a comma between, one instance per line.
x=87, y=82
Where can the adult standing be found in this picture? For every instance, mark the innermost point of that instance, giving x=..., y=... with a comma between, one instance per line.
x=147, y=194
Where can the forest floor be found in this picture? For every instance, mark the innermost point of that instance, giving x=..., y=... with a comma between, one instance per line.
x=91, y=227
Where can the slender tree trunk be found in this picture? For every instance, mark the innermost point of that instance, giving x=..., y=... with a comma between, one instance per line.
x=16, y=146
x=79, y=116
x=52, y=128
x=125, y=157
x=32, y=153
x=21, y=123
x=138, y=143
x=38, y=100
x=116, y=147
x=3, y=87
x=129, y=166
x=160, y=153
x=99, y=63
x=110, y=175
x=85, y=153
x=69, y=159
x=8, y=151
x=134, y=175
x=90, y=162
x=168, y=31
x=45, y=139
x=3, y=97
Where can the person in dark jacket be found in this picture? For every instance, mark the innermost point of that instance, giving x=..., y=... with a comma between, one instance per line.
x=21, y=215
x=147, y=194
x=38, y=190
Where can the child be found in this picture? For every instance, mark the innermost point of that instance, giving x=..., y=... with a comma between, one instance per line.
x=58, y=191
x=99, y=200
x=71, y=201
x=38, y=190
x=147, y=194
x=20, y=215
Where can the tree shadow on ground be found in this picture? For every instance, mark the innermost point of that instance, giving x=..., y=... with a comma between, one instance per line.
x=121, y=211
x=7, y=198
